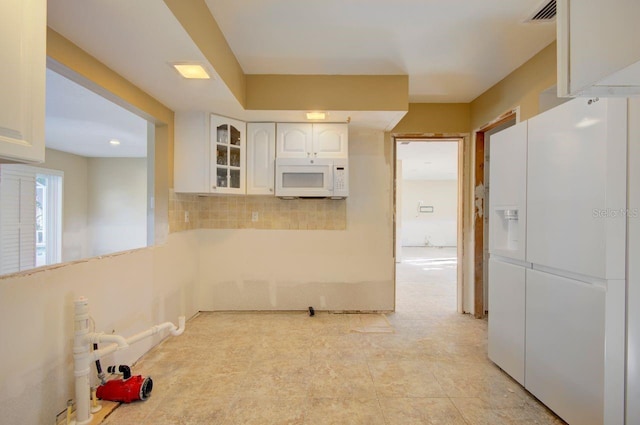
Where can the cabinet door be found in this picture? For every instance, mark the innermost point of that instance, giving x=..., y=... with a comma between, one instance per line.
x=506, y=319
x=261, y=154
x=565, y=346
x=227, y=169
x=330, y=141
x=598, y=47
x=191, y=153
x=22, y=79
x=294, y=140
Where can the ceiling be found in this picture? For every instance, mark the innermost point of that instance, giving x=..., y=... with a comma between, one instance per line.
x=81, y=122
x=451, y=51
x=422, y=160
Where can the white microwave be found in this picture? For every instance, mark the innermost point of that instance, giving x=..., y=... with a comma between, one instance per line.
x=312, y=178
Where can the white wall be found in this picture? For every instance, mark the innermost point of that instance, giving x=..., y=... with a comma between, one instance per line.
x=633, y=266
x=75, y=243
x=434, y=229
x=294, y=269
x=117, y=202
x=128, y=292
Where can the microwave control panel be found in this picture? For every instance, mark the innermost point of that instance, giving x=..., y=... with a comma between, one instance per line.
x=340, y=181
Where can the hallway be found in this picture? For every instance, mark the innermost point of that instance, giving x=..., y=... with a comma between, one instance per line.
x=428, y=365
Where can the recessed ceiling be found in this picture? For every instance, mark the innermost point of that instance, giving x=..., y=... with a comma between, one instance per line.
x=452, y=51
x=428, y=160
x=82, y=122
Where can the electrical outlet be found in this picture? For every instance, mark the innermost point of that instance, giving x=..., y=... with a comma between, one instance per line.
x=254, y=216
x=186, y=216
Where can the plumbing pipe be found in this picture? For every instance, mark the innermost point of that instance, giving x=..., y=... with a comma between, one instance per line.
x=82, y=361
x=175, y=331
x=101, y=375
x=83, y=358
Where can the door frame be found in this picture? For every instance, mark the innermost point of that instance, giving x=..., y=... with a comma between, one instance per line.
x=461, y=140
x=479, y=207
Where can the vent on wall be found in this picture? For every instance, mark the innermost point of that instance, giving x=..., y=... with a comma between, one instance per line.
x=545, y=13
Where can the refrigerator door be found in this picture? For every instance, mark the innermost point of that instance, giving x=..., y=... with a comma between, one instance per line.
x=565, y=346
x=508, y=185
x=506, y=318
x=576, y=188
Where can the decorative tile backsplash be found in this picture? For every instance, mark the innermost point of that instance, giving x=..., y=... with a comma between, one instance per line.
x=254, y=212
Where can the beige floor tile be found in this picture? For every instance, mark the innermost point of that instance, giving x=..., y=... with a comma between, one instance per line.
x=405, y=379
x=420, y=411
x=344, y=411
x=266, y=411
x=339, y=378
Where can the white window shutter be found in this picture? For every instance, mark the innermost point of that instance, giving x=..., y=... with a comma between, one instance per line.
x=17, y=219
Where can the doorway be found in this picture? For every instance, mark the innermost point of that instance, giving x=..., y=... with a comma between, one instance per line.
x=427, y=223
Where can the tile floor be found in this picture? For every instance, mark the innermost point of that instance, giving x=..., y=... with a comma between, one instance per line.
x=289, y=368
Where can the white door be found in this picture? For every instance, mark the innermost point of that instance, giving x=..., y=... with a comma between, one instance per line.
x=261, y=153
x=565, y=346
x=294, y=140
x=330, y=140
x=506, y=319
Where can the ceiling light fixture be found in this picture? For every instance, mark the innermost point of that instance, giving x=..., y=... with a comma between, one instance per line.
x=316, y=115
x=191, y=70
x=114, y=142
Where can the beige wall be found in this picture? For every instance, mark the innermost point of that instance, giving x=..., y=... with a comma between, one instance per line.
x=438, y=228
x=117, y=204
x=435, y=118
x=127, y=293
x=520, y=88
x=74, y=209
x=348, y=269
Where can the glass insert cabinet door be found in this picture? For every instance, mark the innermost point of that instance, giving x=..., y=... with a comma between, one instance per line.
x=227, y=155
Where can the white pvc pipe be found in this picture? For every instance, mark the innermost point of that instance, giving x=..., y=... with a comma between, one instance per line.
x=83, y=357
x=82, y=361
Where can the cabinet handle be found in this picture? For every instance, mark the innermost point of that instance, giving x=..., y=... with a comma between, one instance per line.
x=270, y=189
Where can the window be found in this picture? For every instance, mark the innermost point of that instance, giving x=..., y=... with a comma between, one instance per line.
x=30, y=217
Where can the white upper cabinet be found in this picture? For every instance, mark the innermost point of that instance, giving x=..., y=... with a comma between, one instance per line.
x=227, y=172
x=23, y=29
x=598, y=47
x=261, y=155
x=303, y=140
x=330, y=140
x=209, y=154
x=295, y=140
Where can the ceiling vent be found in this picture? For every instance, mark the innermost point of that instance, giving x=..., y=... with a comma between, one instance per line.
x=545, y=13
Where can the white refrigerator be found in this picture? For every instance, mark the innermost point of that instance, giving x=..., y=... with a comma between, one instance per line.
x=574, y=262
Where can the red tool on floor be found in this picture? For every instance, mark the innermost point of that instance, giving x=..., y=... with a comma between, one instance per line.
x=125, y=390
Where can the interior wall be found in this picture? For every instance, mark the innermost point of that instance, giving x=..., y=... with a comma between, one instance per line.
x=521, y=88
x=75, y=244
x=117, y=199
x=438, y=228
x=127, y=293
x=352, y=269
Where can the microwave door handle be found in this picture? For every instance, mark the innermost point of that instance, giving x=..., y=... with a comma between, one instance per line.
x=329, y=186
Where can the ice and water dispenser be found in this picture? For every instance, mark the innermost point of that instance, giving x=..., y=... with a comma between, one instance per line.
x=507, y=232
